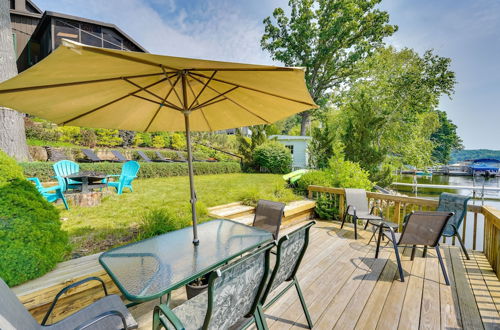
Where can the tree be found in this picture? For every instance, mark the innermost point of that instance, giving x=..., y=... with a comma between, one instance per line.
x=328, y=38
x=12, y=131
x=445, y=139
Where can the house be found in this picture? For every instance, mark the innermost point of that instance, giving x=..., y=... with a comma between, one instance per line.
x=298, y=148
x=37, y=33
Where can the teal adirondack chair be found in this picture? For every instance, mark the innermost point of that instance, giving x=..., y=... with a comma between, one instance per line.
x=129, y=173
x=52, y=194
x=66, y=167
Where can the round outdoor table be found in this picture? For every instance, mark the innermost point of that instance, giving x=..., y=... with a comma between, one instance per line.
x=89, y=180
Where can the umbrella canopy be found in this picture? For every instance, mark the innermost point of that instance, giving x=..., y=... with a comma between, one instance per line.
x=87, y=86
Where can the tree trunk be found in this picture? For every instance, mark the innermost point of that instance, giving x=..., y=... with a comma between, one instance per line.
x=12, y=132
x=304, y=124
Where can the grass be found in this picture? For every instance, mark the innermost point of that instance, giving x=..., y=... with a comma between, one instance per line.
x=118, y=219
x=43, y=143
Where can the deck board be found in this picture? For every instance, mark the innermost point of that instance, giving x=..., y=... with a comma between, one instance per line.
x=345, y=287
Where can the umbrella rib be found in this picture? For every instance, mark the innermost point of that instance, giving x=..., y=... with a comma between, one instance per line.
x=201, y=109
x=236, y=103
x=242, y=69
x=21, y=89
x=256, y=90
x=202, y=89
x=209, y=102
x=143, y=89
x=159, y=108
x=175, y=91
x=168, y=105
x=110, y=102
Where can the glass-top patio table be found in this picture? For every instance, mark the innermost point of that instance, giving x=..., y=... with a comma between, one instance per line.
x=151, y=268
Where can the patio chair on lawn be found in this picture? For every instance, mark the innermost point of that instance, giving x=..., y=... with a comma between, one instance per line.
x=108, y=312
x=144, y=157
x=91, y=156
x=458, y=205
x=234, y=292
x=119, y=156
x=52, y=194
x=268, y=216
x=162, y=158
x=66, y=167
x=420, y=228
x=357, y=209
x=129, y=173
x=290, y=251
x=180, y=157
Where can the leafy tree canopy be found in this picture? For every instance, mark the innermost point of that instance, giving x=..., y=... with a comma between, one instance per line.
x=328, y=38
x=445, y=139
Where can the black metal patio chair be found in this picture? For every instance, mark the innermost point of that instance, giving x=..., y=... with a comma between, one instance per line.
x=233, y=293
x=420, y=228
x=144, y=157
x=358, y=209
x=162, y=158
x=91, y=156
x=108, y=312
x=268, y=216
x=458, y=205
x=290, y=251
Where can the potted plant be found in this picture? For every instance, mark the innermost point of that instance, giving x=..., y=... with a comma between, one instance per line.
x=197, y=286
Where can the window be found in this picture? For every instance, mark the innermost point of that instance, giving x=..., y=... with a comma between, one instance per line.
x=290, y=147
x=12, y=4
x=66, y=30
x=91, y=34
x=111, y=39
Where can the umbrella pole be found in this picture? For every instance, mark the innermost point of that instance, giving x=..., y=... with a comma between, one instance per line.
x=191, y=179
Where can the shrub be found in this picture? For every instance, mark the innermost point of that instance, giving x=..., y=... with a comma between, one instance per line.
x=44, y=171
x=318, y=178
x=273, y=157
x=251, y=196
x=31, y=239
x=127, y=137
x=159, y=221
x=108, y=137
x=325, y=208
x=178, y=141
x=89, y=139
x=158, y=141
x=70, y=134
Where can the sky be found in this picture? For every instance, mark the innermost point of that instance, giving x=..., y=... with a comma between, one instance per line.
x=467, y=31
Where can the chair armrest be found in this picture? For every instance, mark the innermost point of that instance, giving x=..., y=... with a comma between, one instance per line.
x=101, y=317
x=380, y=213
x=393, y=235
x=113, y=175
x=35, y=180
x=169, y=314
x=64, y=290
x=353, y=209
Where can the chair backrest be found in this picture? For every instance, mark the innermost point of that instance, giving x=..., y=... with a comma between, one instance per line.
x=291, y=249
x=13, y=315
x=144, y=156
x=424, y=228
x=130, y=168
x=91, y=155
x=357, y=198
x=66, y=167
x=268, y=216
x=159, y=155
x=180, y=156
x=456, y=204
x=119, y=155
x=235, y=290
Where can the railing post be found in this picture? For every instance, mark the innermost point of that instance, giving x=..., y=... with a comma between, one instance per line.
x=341, y=205
x=397, y=212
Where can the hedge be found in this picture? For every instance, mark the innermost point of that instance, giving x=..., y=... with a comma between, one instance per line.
x=44, y=171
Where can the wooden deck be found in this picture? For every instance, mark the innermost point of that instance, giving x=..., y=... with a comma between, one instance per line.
x=346, y=288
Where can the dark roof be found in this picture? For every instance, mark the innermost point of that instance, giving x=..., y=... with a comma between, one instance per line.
x=48, y=14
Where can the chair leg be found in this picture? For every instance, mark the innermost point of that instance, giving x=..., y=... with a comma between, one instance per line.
x=260, y=318
x=398, y=259
x=424, y=254
x=373, y=235
x=343, y=219
x=355, y=221
x=65, y=202
x=445, y=275
x=413, y=250
x=303, y=303
x=366, y=224
x=462, y=245
x=380, y=233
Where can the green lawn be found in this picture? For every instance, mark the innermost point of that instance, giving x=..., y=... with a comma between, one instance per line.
x=117, y=219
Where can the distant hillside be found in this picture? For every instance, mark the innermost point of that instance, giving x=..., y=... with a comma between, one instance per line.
x=461, y=155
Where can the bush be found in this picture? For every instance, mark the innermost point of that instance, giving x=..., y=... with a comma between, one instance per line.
x=251, y=196
x=318, y=178
x=70, y=134
x=89, y=139
x=325, y=208
x=178, y=141
x=108, y=137
x=44, y=171
x=31, y=239
x=273, y=157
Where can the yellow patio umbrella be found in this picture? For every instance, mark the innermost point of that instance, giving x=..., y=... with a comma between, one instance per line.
x=80, y=85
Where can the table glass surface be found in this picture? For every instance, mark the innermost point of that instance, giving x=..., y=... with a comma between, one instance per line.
x=148, y=269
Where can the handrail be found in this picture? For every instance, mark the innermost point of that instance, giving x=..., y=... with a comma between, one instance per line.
x=395, y=208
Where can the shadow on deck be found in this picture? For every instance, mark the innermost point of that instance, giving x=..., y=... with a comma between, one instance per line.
x=345, y=287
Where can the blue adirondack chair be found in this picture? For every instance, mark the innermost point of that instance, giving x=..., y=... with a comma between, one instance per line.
x=52, y=194
x=67, y=167
x=129, y=173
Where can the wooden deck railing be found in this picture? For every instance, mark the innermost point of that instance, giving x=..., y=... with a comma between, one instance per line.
x=479, y=220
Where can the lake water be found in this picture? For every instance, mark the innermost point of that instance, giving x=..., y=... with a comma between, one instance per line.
x=491, y=198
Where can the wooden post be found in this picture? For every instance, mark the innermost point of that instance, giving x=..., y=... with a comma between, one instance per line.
x=397, y=212
x=341, y=205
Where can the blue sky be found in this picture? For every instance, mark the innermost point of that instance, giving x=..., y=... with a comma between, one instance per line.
x=466, y=31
